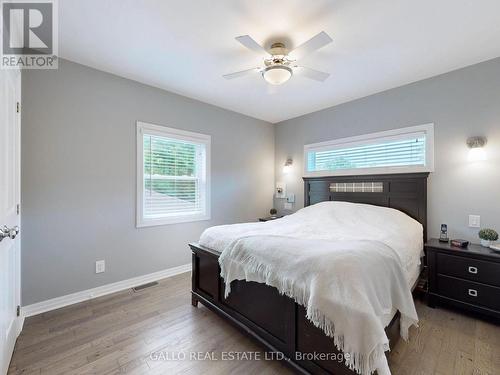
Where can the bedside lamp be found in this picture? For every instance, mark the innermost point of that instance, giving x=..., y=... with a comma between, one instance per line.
x=476, y=148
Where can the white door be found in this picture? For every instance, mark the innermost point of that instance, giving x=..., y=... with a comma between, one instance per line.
x=10, y=323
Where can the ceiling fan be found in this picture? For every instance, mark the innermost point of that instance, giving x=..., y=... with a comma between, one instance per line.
x=279, y=67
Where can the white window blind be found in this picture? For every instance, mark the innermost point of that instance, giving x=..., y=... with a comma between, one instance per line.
x=395, y=151
x=173, y=170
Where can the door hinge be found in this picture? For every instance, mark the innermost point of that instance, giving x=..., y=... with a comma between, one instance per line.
x=18, y=208
x=18, y=107
x=18, y=310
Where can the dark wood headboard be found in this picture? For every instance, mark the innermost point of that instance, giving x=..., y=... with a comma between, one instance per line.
x=404, y=192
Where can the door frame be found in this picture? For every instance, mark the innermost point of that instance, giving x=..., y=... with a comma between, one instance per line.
x=14, y=76
x=20, y=317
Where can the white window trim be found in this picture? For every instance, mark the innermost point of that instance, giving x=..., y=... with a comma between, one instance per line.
x=428, y=129
x=163, y=131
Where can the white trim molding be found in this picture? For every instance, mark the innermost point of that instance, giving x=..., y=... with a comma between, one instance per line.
x=394, y=134
x=84, y=295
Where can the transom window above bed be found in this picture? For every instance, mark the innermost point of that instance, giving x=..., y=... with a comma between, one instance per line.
x=405, y=150
x=172, y=175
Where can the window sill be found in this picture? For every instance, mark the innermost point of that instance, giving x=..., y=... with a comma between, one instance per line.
x=368, y=171
x=169, y=221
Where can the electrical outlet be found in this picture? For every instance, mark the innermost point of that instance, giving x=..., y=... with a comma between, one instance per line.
x=474, y=221
x=100, y=266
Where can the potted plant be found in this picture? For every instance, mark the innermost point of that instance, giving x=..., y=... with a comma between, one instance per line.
x=273, y=212
x=487, y=236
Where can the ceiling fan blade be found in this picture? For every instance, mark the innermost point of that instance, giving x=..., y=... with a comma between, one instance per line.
x=251, y=44
x=313, y=44
x=241, y=73
x=311, y=73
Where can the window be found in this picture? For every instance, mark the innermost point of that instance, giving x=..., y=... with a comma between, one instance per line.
x=172, y=175
x=395, y=151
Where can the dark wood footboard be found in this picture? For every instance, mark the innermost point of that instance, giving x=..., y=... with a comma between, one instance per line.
x=274, y=320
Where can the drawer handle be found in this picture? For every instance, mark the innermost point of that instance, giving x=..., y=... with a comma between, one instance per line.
x=472, y=270
x=473, y=292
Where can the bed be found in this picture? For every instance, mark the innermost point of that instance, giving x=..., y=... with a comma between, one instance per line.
x=277, y=321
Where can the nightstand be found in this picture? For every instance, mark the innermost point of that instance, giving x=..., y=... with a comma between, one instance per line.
x=268, y=218
x=467, y=278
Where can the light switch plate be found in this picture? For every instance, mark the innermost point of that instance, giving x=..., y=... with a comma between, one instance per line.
x=474, y=221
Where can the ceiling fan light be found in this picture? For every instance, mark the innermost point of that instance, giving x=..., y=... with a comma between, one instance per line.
x=277, y=74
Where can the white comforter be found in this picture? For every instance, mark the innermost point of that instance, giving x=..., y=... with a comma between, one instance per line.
x=344, y=262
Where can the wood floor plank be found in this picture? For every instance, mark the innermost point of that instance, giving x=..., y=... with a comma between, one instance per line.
x=120, y=334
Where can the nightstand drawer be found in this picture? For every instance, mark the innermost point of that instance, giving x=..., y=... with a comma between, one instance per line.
x=470, y=269
x=469, y=291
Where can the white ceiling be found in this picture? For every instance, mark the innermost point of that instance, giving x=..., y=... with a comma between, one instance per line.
x=186, y=46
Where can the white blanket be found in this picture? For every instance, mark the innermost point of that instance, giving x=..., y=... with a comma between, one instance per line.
x=349, y=285
x=348, y=288
x=333, y=221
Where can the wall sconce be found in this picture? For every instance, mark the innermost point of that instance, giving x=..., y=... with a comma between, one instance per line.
x=476, y=148
x=288, y=166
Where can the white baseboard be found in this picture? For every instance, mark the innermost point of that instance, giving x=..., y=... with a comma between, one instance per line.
x=84, y=295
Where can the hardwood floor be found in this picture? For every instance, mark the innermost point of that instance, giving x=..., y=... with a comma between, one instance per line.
x=147, y=332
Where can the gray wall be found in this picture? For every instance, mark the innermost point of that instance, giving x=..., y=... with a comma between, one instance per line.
x=79, y=176
x=78, y=166
x=462, y=103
